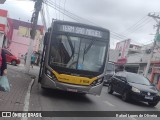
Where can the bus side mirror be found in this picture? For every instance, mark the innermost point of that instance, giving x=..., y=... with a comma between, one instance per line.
x=46, y=37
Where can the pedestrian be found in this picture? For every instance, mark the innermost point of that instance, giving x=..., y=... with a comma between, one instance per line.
x=25, y=58
x=4, y=84
x=33, y=58
x=3, y=63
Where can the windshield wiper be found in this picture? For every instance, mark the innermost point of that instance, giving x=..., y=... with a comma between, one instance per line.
x=89, y=46
x=71, y=45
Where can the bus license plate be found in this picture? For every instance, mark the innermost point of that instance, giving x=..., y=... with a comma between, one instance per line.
x=71, y=90
x=149, y=97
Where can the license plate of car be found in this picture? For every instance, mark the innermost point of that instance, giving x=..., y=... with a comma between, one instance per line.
x=149, y=97
x=71, y=90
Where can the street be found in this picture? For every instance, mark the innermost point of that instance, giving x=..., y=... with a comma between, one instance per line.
x=77, y=46
x=54, y=100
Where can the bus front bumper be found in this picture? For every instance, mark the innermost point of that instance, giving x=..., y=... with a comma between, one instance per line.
x=46, y=82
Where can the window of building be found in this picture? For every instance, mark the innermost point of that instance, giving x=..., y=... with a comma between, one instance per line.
x=131, y=46
x=24, y=31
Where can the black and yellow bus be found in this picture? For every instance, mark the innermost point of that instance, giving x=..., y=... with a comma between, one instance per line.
x=74, y=57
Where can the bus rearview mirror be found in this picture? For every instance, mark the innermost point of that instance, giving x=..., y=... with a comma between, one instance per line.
x=46, y=36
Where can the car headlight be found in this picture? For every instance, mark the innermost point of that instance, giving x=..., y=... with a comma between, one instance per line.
x=158, y=94
x=135, y=90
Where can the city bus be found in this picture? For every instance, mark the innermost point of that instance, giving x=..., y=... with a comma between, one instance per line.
x=74, y=57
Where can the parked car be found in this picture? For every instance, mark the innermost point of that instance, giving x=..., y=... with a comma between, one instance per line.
x=109, y=72
x=134, y=86
x=10, y=58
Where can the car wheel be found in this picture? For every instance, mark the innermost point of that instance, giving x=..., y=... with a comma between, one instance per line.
x=125, y=97
x=13, y=62
x=152, y=104
x=110, y=89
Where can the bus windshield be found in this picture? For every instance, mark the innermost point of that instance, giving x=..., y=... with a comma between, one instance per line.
x=77, y=53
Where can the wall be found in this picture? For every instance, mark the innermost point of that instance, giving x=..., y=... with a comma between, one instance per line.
x=21, y=37
x=123, y=48
x=113, y=55
x=19, y=45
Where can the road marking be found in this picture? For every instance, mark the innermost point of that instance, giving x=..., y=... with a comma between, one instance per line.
x=27, y=98
x=108, y=103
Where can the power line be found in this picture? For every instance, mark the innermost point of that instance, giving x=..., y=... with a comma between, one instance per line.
x=55, y=9
x=80, y=19
x=140, y=25
x=64, y=8
x=59, y=12
x=48, y=15
x=133, y=26
x=43, y=17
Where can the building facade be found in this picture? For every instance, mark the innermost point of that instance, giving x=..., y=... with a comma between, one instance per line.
x=6, y=29
x=21, y=38
x=113, y=55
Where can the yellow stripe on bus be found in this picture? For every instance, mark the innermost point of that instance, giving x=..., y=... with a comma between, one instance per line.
x=74, y=79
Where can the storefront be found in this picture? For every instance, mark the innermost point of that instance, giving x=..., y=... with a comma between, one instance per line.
x=155, y=75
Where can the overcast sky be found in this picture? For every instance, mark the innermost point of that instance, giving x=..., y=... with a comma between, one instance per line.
x=119, y=16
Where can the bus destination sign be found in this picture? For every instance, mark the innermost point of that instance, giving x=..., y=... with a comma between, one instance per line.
x=80, y=30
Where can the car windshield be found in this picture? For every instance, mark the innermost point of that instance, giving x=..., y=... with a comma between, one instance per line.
x=77, y=53
x=139, y=79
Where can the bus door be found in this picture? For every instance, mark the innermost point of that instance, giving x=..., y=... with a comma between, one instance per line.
x=45, y=43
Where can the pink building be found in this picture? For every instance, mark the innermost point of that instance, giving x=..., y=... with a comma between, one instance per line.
x=6, y=29
x=21, y=38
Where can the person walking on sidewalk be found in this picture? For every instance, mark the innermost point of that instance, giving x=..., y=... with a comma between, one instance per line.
x=33, y=58
x=3, y=63
x=25, y=58
x=4, y=84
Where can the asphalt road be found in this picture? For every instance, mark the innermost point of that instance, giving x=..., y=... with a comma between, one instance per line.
x=53, y=100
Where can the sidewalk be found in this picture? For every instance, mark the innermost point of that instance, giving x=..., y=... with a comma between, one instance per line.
x=19, y=80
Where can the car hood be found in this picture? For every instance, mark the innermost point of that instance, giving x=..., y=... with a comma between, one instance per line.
x=146, y=88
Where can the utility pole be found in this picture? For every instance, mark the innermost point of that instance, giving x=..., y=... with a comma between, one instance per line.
x=34, y=20
x=2, y=1
x=154, y=43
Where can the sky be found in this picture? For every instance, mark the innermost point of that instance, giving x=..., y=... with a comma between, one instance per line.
x=126, y=19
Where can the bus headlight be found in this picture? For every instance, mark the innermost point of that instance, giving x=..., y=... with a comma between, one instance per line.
x=50, y=74
x=97, y=82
